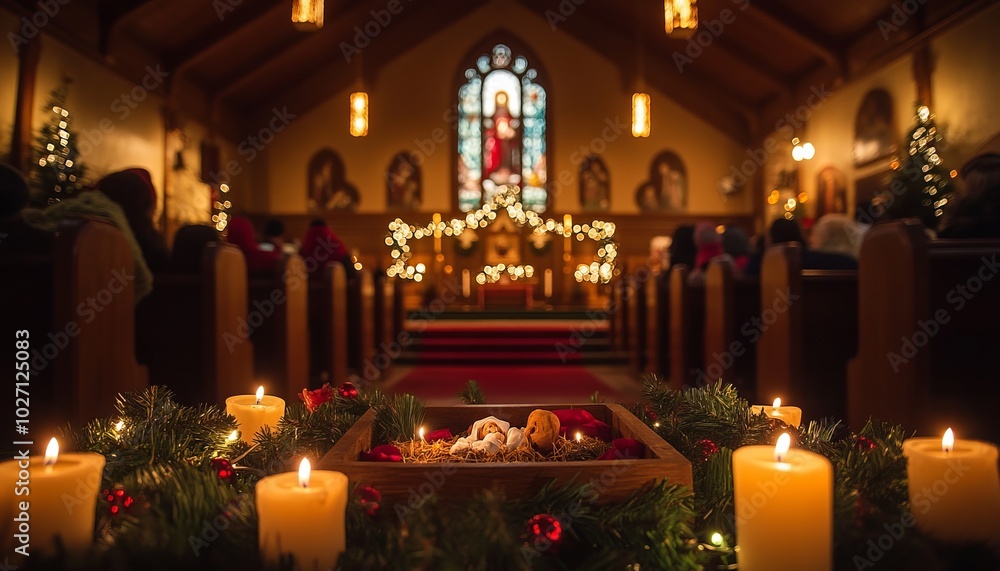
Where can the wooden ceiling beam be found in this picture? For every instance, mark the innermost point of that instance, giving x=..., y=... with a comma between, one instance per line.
x=110, y=14
x=182, y=59
x=801, y=30
x=699, y=94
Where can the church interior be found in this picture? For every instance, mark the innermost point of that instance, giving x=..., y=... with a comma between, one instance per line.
x=525, y=284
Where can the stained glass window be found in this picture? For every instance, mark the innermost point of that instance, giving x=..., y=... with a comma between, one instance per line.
x=501, y=131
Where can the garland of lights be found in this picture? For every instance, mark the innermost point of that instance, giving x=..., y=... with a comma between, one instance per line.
x=508, y=198
x=222, y=206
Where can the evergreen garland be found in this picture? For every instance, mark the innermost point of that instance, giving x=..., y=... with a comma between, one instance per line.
x=186, y=516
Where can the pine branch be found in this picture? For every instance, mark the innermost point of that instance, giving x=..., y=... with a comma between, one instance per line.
x=472, y=393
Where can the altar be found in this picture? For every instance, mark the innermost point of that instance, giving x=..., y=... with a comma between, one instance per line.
x=506, y=296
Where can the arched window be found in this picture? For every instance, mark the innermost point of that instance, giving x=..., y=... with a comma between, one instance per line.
x=501, y=131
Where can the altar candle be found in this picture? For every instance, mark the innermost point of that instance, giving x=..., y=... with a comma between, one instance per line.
x=548, y=283
x=954, y=488
x=253, y=412
x=466, y=283
x=790, y=415
x=302, y=515
x=50, y=497
x=784, y=508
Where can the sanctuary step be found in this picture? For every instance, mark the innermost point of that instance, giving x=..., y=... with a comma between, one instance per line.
x=510, y=338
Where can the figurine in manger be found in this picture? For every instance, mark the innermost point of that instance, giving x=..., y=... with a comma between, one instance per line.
x=491, y=435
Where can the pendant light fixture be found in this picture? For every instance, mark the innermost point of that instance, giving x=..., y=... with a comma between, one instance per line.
x=680, y=17
x=308, y=14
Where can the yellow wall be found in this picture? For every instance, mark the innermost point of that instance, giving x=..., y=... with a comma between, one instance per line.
x=414, y=92
x=118, y=124
x=966, y=81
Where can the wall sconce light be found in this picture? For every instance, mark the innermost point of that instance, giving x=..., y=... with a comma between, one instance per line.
x=802, y=151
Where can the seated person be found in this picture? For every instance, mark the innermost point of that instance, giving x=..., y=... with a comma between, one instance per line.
x=133, y=190
x=189, y=247
x=15, y=235
x=274, y=236
x=783, y=231
x=242, y=235
x=709, y=246
x=836, y=234
x=320, y=246
x=974, y=212
x=93, y=204
x=736, y=245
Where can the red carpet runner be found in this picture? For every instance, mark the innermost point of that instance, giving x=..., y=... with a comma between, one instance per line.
x=513, y=360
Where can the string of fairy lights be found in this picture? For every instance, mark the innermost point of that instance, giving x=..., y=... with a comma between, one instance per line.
x=507, y=198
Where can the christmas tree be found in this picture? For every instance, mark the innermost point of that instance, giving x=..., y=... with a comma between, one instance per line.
x=56, y=173
x=922, y=184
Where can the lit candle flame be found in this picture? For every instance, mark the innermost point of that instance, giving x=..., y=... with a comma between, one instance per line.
x=233, y=436
x=51, y=452
x=578, y=436
x=421, y=433
x=119, y=425
x=777, y=403
x=948, y=441
x=304, y=471
x=260, y=393
x=781, y=448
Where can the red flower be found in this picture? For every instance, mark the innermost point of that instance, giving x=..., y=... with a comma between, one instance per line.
x=370, y=499
x=313, y=399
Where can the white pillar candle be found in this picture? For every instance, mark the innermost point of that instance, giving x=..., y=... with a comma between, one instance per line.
x=466, y=283
x=548, y=283
x=790, y=415
x=253, y=412
x=302, y=515
x=954, y=488
x=784, y=508
x=48, y=498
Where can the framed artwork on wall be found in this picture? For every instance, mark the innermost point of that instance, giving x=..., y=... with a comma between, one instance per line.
x=595, y=185
x=403, y=184
x=328, y=188
x=666, y=189
x=874, y=128
x=831, y=192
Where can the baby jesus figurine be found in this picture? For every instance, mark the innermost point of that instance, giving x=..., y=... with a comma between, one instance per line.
x=490, y=434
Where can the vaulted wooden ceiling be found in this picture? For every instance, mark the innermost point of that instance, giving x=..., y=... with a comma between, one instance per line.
x=245, y=56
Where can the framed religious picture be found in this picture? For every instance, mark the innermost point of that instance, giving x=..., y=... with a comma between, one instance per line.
x=403, y=183
x=874, y=128
x=328, y=188
x=666, y=188
x=831, y=192
x=595, y=185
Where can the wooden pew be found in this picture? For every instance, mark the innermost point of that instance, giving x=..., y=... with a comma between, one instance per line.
x=731, y=303
x=281, y=341
x=361, y=325
x=78, y=305
x=657, y=330
x=687, y=322
x=808, y=331
x=635, y=293
x=328, y=325
x=193, y=332
x=927, y=337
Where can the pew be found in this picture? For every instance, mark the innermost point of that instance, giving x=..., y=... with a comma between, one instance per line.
x=281, y=341
x=808, y=330
x=384, y=313
x=361, y=325
x=193, y=330
x=731, y=304
x=687, y=322
x=328, y=325
x=928, y=333
x=77, y=304
x=657, y=304
x=636, y=300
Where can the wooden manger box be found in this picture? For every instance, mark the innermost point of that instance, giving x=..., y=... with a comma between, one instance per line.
x=613, y=480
